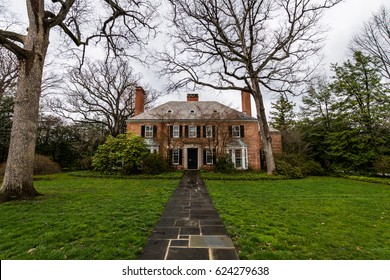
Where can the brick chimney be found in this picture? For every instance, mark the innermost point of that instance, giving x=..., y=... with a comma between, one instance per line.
x=192, y=97
x=246, y=102
x=139, y=101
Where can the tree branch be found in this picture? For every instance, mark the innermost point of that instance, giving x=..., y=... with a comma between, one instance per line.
x=60, y=17
x=6, y=38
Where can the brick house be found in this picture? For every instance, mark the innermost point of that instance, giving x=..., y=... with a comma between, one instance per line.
x=193, y=133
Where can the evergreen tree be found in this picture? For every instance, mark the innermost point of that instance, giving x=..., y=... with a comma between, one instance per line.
x=283, y=114
x=283, y=119
x=317, y=120
x=362, y=109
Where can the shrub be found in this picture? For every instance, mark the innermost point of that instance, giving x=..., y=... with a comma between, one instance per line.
x=382, y=165
x=122, y=154
x=313, y=168
x=306, y=166
x=85, y=163
x=224, y=164
x=43, y=165
x=285, y=169
x=154, y=164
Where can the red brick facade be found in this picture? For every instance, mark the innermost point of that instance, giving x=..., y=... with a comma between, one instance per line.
x=193, y=134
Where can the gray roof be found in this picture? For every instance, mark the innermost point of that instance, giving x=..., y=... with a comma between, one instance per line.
x=192, y=110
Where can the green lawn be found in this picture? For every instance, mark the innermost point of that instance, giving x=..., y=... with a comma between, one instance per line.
x=312, y=218
x=83, y=218
x=111, y=218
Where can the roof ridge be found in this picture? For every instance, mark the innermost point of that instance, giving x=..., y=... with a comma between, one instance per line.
x=189, y=110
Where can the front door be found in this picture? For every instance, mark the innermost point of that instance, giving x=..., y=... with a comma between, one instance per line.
x=192, y=155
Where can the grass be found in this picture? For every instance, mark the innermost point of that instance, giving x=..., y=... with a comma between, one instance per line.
x=99, y=217
x=241, y=175
x=83, y=218
x=174, y=175
x=312, y=218
x=369, y=179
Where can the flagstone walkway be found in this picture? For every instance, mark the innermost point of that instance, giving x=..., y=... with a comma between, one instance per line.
x=190, y=227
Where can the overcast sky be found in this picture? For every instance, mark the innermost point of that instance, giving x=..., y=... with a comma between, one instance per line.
x=344, y=20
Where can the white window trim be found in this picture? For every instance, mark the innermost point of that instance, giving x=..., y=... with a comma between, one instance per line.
x=244, y=157
x=209, y=131
x=236, y=131
x=153, y=149
x=148, y=131
x=209, y=155
x=176, y=131
x=176, y=153
x=238, y=156
x=194, y=132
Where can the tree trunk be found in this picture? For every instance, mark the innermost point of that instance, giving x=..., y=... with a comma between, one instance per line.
x=18, y=178
x=265, y=134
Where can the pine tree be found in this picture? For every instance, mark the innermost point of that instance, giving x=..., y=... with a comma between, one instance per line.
x=283, y=114
x=362, y=109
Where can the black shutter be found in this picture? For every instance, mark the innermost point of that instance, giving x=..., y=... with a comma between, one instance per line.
x=214, y=136
x=171, y=131
x=181, y=131
x=204, y=157
x=198, y=132
x=154, y=131
x=170, y=156
x=142, y=131
x=180, y=157
x=204, y=131
x=186, y=131
x=214, y=156
x=242, y=131
x=230, y=131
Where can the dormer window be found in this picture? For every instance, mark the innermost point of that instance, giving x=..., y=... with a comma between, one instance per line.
x=169, y=111
x=192, y=112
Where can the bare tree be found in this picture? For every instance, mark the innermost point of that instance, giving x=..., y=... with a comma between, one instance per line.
x=102, y=92
x=8, y=72
x=374, y=39
x=245, y=45
x=116, y=22
x=8, y=78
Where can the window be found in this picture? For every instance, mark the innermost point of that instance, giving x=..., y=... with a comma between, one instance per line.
x=153, y=149
x=148, y=131
x=209, y=156
x=192, y=131
x=176, y=156
x=209, y=131
x=176, y=131
x=239, y=157
x=236, y=131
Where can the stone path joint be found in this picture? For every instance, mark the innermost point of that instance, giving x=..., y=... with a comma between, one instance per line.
x=190, y=227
